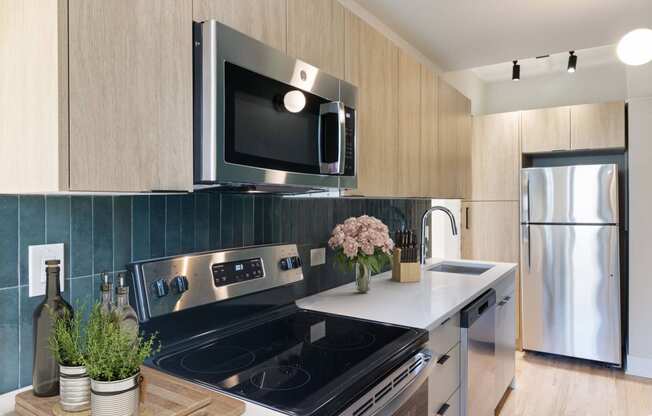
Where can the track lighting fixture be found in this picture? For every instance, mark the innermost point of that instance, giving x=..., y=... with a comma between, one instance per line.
x=516, y=71
x=572, y=62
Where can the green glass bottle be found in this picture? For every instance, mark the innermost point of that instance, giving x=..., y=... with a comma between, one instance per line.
x=45, y=369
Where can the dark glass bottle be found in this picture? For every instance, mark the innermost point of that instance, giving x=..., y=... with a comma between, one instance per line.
x=45, y=369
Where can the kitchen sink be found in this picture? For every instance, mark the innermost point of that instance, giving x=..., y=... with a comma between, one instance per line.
x=460, y=268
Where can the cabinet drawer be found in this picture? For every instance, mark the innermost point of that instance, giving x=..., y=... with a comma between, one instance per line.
x=451, y=407
x=444, y=379
x=506, y=287
x=444, y=337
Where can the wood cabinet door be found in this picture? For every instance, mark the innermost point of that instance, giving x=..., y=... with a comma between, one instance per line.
x=130, y=95
x=490, y=232
x=264, y=20
x=315, y=34
x=429, y=147
x=495, y=157
x=454, y=142
x=545, y=130
x=597, y=126
x=409, y=126
x=372, y=65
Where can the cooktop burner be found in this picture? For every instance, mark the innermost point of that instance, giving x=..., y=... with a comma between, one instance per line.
x=284, y=377
x=231, y=359
x=296, y=363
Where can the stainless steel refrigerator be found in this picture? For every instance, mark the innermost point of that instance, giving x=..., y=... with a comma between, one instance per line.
x=570, y=261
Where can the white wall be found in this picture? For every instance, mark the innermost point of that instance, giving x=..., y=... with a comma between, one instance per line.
x=588, y=85
x=470, y=85
x=640, y=237
x=444, y=244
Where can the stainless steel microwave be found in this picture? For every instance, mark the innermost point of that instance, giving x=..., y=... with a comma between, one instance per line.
x=262, y=118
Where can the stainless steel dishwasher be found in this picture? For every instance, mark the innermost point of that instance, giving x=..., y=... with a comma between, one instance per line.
x=478, y=321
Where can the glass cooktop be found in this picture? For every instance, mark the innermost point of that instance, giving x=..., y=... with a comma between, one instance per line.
x=304, y=363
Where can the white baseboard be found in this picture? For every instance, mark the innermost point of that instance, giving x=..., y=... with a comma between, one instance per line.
x=639, y=366
x=8, y=401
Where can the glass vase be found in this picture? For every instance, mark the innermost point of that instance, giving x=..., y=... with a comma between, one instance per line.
x=362, y=276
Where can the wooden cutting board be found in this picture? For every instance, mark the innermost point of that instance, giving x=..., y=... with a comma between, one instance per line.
x=164, y=395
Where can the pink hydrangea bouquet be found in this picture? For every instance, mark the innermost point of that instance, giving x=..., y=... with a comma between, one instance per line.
x=363, y=241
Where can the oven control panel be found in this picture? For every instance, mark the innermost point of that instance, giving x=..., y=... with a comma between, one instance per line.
x=237, y=271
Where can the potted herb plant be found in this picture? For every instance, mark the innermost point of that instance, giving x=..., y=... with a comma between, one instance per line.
x=113, y=364
x=67, y=345
x=363, y=244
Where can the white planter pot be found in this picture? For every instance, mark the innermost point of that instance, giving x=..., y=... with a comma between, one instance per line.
x=74, y=388
x=115, y=398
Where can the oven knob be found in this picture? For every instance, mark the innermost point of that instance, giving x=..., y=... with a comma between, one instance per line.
x=296, y=262
x=286, y=263
x=180, y=284
x=161, y=287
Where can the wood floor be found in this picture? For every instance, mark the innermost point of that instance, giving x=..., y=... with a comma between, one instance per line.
x=553, y=386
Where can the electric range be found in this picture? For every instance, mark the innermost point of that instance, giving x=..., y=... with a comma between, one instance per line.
x=227, y=321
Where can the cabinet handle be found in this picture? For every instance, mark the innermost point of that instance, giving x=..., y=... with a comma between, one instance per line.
x=468, y=219
x=507, y=298
x=442, y=410
x=443, y=359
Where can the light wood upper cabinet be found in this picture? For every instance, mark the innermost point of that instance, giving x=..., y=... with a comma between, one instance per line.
x=99, y=97
x=545, y=130
x=454, y=142
x=372, y=65
x=315, y=34
x=597, y=126
x=495, y=157
x=130, y=95
x=409, y=125
x=264, y=20
x=429, y=147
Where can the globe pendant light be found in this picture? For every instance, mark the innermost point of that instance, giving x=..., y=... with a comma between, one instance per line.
x=635, y=48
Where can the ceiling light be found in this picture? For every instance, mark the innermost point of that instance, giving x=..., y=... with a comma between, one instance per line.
x=635, y=48
x=572, y=62
x=516, y=71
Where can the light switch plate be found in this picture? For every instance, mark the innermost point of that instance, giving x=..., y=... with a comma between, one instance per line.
x=37, y=257
x=317, y=256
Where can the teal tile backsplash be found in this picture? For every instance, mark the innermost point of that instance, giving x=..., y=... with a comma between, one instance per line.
x=104, y=233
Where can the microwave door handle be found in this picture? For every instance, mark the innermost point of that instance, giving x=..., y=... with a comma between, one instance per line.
x=331, y=114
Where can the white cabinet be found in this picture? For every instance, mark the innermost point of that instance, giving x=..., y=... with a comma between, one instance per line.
x=505, y=336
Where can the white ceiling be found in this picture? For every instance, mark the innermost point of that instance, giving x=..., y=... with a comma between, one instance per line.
x=553, y=64
x=462, y=34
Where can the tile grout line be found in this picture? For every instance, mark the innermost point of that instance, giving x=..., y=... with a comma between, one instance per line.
x=69, y=246
x=131, y=233
x=93, y=242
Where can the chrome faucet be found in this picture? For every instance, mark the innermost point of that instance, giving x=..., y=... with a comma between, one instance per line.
x=422, y=260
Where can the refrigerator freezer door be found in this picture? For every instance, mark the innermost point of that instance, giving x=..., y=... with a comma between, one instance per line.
x=571, y=291
x=586, y=194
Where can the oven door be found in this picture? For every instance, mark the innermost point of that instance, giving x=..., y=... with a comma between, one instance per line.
x=266, y=118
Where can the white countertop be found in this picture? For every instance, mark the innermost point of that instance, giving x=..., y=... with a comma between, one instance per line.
x=424, y=304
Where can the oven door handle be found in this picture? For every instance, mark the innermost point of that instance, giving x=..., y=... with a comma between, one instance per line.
x=392, y=406
x=331, y=138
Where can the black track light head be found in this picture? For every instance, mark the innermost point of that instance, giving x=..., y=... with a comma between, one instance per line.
x=572, y=62
x=516, y=71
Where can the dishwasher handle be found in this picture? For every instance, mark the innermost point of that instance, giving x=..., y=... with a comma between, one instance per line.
x=477, y=308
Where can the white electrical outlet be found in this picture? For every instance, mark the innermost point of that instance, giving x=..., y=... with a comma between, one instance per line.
x=37, y=257
x=317, y=256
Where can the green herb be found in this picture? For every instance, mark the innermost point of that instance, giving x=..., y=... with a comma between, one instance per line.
x=114, y=354
x=66, y=341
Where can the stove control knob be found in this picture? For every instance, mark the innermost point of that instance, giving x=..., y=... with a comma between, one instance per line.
x=180, y=284
x=296, y=262
x=285, y=263
x=161, y=287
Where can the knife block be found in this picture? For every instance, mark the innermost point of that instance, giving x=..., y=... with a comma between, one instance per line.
x=404, y=272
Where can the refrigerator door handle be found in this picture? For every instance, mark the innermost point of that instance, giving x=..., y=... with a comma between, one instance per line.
x=526, y=249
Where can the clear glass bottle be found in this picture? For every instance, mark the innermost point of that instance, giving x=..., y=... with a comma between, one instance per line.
x=106, y=293
x=125, y=314
x=45, y=369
